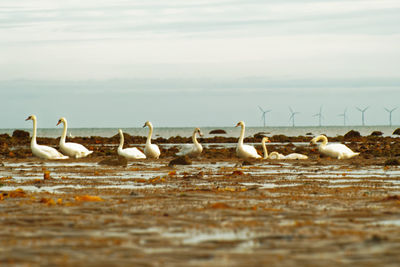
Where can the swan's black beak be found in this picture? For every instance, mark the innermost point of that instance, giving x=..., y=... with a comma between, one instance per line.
x=29, y=118
x=144, y=125
x=237, y=125
x=58, y=122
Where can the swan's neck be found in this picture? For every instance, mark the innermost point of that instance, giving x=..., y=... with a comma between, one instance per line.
x=33, y=140
x=121, y=141
x=241, y=135
x=265, y=150
x=194, y=139
x=148, y=141
x=64, y=133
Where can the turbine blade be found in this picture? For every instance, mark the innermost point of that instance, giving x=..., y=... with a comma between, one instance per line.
x=260, y=108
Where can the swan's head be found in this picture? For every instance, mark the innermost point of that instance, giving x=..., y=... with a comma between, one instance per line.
x=316, y=139
x=147, y=123
x=32, y=117
x=265, y=139
x=197, y=130
x=240, y=123
x=61, y=120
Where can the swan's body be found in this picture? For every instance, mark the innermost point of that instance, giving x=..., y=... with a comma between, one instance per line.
x=192, y=150
x=40, y=151
x=245, y=151
x=128, y=153
x=338, y=151
x=73, y=150
x=151, y=150
x=276, y=155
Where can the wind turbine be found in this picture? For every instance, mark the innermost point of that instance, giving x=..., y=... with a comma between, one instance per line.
x=362, y=112
x=344, y=116
x=319, y=115
x=263, y=117
x=390, y=114
x=292, y=114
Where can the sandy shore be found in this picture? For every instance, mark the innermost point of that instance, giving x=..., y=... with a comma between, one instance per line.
x=215, y=212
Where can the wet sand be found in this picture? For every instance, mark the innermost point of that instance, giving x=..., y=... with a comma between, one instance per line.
x=218, y=211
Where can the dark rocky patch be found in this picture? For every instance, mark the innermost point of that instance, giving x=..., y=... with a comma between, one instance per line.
x=376, y=133
x=183, y=160
x=392, y=162
x=20, y=134
x=120, y=161
x=396, y=132
x=218, y=131
x=352, y=134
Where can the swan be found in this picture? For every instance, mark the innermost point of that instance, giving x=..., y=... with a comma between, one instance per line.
x=128, y=153
x=73, y=150
x=338, y=151
x=245, y=151
x=151, y=150
x=44, y=152
x=192, y=150
x=276, y=155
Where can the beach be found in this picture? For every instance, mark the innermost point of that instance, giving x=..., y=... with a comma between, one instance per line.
x=217, y=211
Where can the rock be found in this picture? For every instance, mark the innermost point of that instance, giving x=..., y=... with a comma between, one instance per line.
x=352, y=134
x=376, y=133
x=218, y=131
x=183, y=160
x=392, y=162
x=20, y=134
x=396, y=132
x=120, y=161
x=260, y=135
x=309, y=133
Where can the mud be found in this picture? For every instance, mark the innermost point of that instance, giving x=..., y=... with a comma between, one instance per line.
x=217, y=211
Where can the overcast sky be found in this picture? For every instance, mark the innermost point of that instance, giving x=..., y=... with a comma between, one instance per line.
x=198, y=63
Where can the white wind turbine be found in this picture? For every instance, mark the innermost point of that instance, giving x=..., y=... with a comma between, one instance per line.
x=292, y=115
x=319, y=115
x=390, y=114
x=344, y=116
x=264, y=112
x=362, y=114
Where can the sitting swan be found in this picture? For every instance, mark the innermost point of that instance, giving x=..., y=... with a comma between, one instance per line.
x=245, y=151
x=151, y=150
x=128, y=153
x=73, y=150
x=44, y=152
x=276, y=155
x=338, y=151
x=192, y=150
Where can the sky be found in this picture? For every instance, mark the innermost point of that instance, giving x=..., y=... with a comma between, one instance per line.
x=191, y=63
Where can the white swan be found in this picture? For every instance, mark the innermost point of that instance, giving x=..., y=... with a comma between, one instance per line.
x=245, y=151
x=128, y=153
x=151, y=150
x=192, y=150
x=276, y=155
x=44, y=152
x=338, y=151
x=73, y=150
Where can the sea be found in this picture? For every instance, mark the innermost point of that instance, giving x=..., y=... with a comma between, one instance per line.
x=166, y=132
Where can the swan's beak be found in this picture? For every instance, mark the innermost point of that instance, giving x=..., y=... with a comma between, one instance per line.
x=269, y=141
x=29, y=118
x=237, y=125
x=144, y=125
x=58, y=122
x=201, y=134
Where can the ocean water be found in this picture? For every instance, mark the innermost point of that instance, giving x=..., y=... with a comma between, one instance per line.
x=167, y=132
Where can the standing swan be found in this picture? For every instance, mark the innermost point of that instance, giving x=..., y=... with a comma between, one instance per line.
x=192, y=150
x=73, y=150
x=44, y=152
x=245, y=151
x=128, y=153
x=338, y=151
x=265, y=139
x=151, y=150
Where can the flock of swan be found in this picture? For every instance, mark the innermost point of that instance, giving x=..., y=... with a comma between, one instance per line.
x=243, y=151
